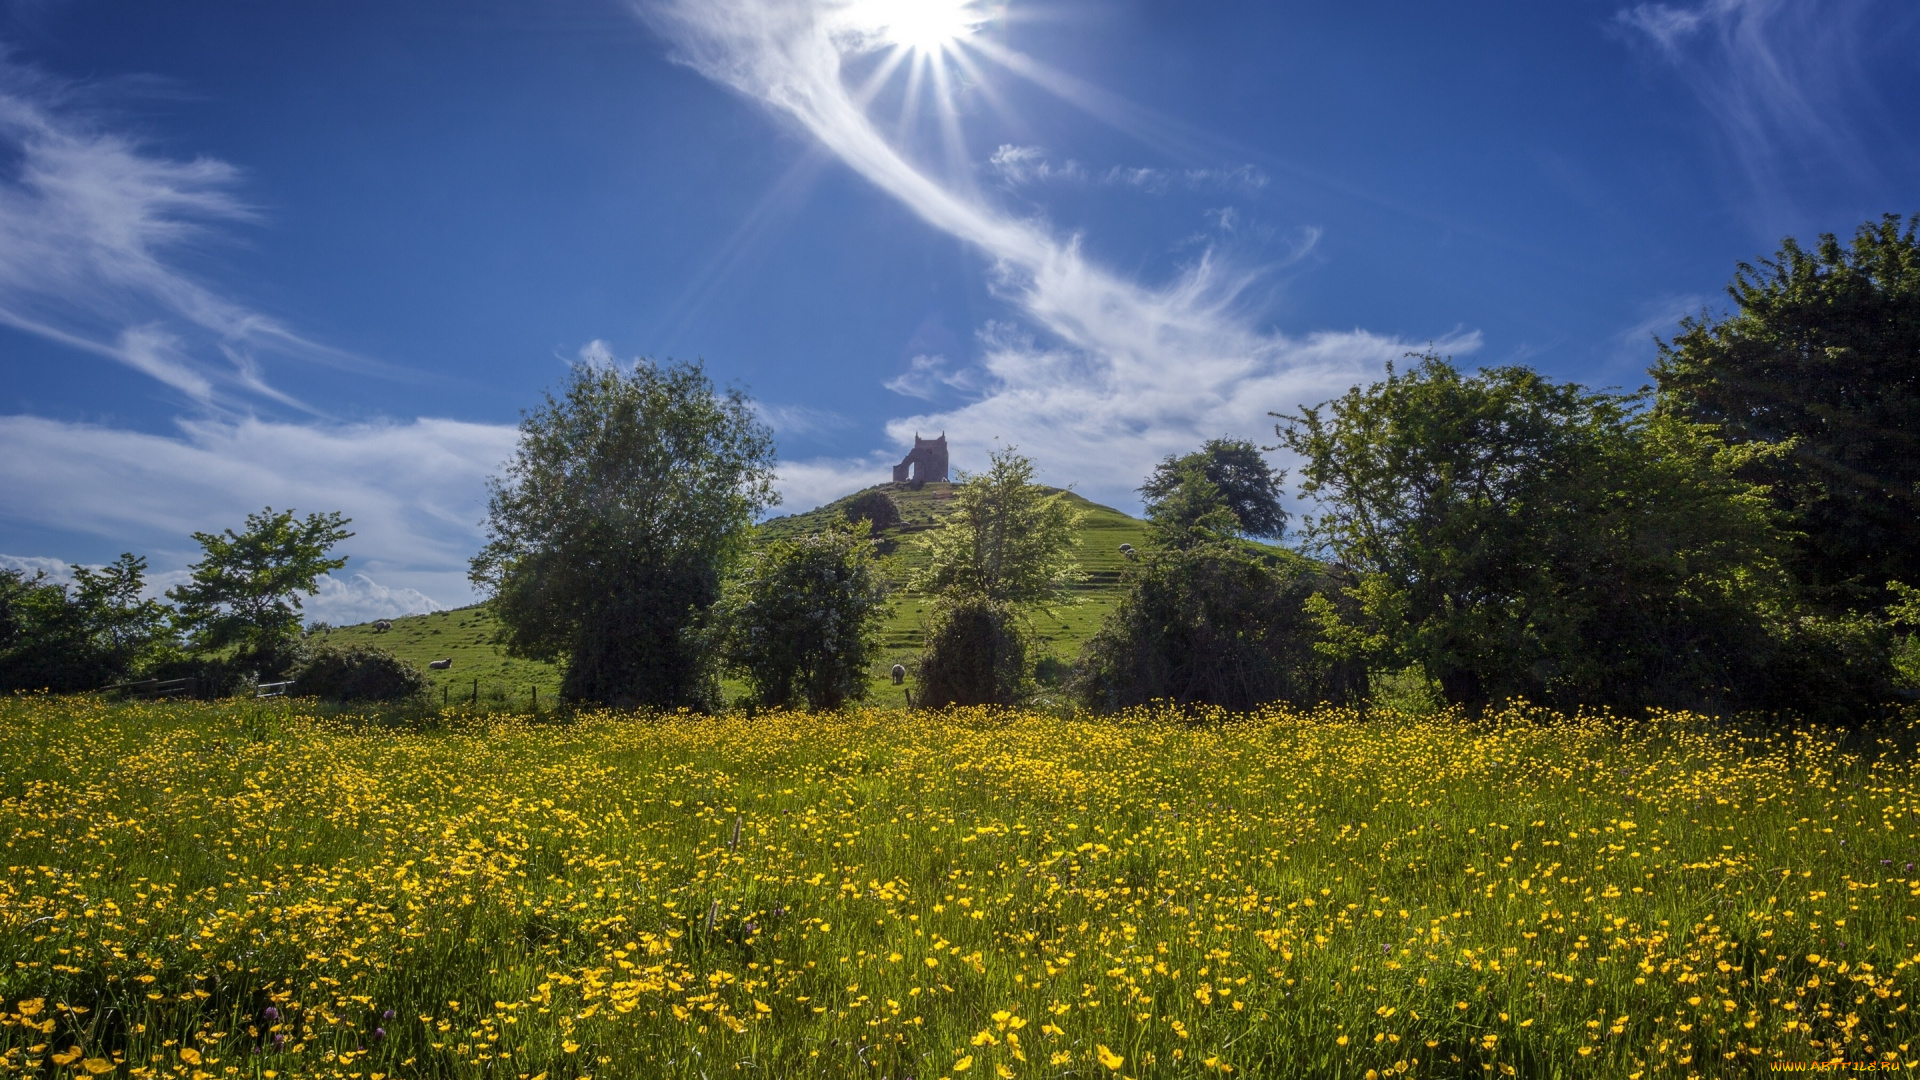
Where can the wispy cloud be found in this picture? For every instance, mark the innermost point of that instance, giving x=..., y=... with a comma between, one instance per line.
x=1785, y=81
x=1030, y=166
x=799, y=419
x=91, y=223
x=1108, y=374
x=927, y=375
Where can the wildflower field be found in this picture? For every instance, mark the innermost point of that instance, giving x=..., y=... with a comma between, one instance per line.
x=219, y=890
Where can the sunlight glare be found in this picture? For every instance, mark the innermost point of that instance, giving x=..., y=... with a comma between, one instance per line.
x=924, y=26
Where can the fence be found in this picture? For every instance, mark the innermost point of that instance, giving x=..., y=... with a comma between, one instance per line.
x=148, y=689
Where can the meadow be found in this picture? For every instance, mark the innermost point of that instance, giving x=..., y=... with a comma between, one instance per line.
x=197, y=890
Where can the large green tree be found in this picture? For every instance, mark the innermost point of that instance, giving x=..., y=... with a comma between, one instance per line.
x=1821, y=356
x=1005, y=549
x=627, y=499
x=1516, y=537
x=243, y=599
x=1247, y=486
x=801, y=620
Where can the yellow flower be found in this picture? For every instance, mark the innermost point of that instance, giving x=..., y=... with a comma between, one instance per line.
x=1108, y=1058
x=68, y=1057
x=569, y=1047
x=189, y=1055
x=1005, y=1073
x=31, y=1007
x=1341, y=1041
x=96, y=1066
x=963, y=1064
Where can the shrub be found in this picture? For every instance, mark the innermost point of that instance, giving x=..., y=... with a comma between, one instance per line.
x=976, y=654
x=801, y=622
x=1214, y=624
x=876, y=508
x=359, y=673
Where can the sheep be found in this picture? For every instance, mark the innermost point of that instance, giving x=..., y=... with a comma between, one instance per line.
x=899, y=674
x=381, y=626
x=440, y=665
x=1126, y=551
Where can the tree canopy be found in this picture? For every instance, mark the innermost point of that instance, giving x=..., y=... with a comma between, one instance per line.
x=1821, y=357
x=1516, y=537
x=626, y=500
x=1248, y=487
x=82, y=636
x=245, y=590
x=1006, y=540
x=800, y=621
x=1006, y=548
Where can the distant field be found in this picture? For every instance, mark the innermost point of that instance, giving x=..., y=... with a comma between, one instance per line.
x=240, y=889
x=466, y=635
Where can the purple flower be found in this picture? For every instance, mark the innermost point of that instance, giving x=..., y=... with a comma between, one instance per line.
x=272, y=1014
x=279, y=1040
x=379, y=1033
x=388, y=1015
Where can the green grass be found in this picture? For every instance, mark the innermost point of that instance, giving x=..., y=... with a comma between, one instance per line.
x=957, y=895
x=466, y=635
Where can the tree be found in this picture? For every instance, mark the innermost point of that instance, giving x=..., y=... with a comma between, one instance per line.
x=627, y=499
x=1247, y=485
x=1821, y=358
x=1005, y=549
x=245, y=591
x=1516, y=537
x=1006, y=538
x=80, y=637
x=802, y=618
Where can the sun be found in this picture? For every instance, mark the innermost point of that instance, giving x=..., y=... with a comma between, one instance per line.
x=924, y=26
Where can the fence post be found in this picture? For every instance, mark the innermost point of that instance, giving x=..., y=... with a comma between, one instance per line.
x=476, y=692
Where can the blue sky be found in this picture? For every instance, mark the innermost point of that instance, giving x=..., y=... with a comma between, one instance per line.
x=321, y=256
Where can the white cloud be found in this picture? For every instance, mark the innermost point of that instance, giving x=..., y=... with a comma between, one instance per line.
x=58, y=571
x=416, y=491
x=804, y=485
x=1024, y=166
x=1111, y=373
x=90, y=222
x=358, y=598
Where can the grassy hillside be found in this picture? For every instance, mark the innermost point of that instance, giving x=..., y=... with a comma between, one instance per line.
x=466, y=635
x=1102, y=531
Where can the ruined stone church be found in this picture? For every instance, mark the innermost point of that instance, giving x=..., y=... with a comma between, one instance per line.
x=925, y=463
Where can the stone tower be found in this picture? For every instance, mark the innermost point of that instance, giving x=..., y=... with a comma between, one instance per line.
x=926, y=462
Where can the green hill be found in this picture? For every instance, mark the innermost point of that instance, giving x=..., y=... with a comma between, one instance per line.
x=466, y=635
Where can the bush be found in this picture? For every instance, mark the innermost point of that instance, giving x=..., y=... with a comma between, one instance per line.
x=359, y=673
x=875, y=507
x=801, y=622
x=1214, y=624
x=975, y=654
